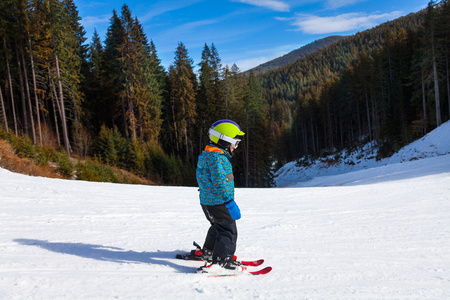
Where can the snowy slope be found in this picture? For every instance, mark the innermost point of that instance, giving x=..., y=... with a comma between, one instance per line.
x=375, y=233
x=436, y=143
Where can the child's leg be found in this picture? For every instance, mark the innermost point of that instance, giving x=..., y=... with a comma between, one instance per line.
x=225, y=246
x=222, y=235
x=210, y=239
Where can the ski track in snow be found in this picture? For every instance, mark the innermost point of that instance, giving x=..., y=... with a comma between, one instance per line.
x=377, y=233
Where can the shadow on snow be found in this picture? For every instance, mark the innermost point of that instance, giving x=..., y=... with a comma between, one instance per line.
x=106, y=253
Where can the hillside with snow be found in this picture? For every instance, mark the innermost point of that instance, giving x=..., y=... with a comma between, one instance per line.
x=378, y=231
x=304, y=173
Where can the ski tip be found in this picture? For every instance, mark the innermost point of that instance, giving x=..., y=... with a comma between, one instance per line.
x=259, y=262
x=253, y=263
x=262, y=271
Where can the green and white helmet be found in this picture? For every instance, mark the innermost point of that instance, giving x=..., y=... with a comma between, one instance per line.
x=225, y=130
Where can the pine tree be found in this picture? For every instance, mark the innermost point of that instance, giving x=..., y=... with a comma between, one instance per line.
x=206, y=104
x=96, y=110
x=127, y=49
x=112, y=75
x=211, y=105
x=255, y=151
x=147, y=78
x=182, y=98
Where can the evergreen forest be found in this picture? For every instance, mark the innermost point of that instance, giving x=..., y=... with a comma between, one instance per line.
x=112, y=101
x=386, y=86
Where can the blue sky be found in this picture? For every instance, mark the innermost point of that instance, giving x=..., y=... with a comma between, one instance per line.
x=245, y=32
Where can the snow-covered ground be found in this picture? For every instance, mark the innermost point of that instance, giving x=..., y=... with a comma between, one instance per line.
x=376, y=233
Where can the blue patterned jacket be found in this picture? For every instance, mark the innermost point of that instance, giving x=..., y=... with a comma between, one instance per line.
x=215, y=176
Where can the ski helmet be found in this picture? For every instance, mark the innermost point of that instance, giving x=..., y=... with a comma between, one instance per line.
x=225, y=130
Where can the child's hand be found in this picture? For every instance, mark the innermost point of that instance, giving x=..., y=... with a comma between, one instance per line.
x=233, y=209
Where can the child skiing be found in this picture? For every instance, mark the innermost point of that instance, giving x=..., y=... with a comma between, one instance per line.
x=216, y=187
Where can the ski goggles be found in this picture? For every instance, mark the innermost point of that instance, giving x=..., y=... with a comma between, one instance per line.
x=233, y=142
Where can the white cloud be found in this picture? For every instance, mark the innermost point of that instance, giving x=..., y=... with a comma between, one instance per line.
x=311, y=24
x=93, y=21
x=333, y=4
x=188, y=31
x=270, y=4
x=163, y=7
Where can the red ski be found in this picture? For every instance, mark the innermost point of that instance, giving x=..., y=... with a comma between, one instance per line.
x=259, y=272
x=196, y=255
x=262, y=271
x=253, y=263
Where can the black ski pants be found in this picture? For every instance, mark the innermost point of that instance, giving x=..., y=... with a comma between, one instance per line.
x=222, y=235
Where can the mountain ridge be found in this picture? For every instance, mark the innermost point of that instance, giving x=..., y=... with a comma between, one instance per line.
x=294, y=55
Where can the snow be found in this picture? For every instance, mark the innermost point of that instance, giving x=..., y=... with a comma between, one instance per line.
x=374, y=232
x=436, y=143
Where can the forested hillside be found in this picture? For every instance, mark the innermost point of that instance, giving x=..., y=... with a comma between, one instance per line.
x=113, y=101
x=296, y=54
x=388, y=85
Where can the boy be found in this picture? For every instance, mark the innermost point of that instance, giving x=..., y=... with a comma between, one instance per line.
x=216, y=186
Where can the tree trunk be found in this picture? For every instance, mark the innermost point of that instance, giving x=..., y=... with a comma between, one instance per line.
x=200, y=140
x=312, y=133
x=424, y=105
x=330, y=129
x=62, y=108
x=186, y=144
x=132, y=117
x=175, y=127
x=358, y=116
x=22, y=91
x=36, y=100
x=448, y=84
x=369, y=124
x=30, y=107
x=436, y=81
x=389, y=93
x=13, y=104
x=436, y=92
x=55, y=105
x=304, y=138
x=5, y=120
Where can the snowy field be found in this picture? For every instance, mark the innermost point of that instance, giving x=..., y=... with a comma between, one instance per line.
x=377, y=233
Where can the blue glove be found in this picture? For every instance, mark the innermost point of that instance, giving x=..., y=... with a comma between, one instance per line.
x=233, y=209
